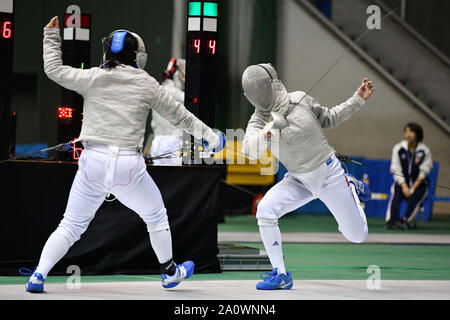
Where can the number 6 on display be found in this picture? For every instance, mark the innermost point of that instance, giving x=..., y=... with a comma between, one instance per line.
x=6, y=29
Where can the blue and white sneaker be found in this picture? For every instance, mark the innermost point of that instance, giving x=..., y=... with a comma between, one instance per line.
x=275, y=280
x=362, y=189
x=35, y=283
x=183, y=272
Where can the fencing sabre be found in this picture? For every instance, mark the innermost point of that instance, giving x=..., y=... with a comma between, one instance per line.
x=342, y=56
x=62, y=147
x=344, y=158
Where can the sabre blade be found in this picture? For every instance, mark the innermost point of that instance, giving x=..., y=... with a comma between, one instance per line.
x=344, y=158
x=342, y=56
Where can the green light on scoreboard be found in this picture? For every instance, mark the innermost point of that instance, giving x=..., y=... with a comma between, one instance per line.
x=209, y=9
x=195, y=8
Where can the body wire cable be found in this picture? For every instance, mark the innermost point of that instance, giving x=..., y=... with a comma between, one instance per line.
x=62, y=147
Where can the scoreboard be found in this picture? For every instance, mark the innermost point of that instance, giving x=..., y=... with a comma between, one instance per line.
x=201, y=59
x=6, y=27
x=6, y=64
x=201, y=62
x=76, y=48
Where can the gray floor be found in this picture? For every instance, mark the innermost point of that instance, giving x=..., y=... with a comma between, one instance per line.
x=325, y=237
x=237, y=290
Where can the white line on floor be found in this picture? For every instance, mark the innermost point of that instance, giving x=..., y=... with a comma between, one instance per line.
x=237, y=290
x=328, y=237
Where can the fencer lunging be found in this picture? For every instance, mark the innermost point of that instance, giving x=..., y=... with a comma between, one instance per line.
x=118, y=97
x=295, y=122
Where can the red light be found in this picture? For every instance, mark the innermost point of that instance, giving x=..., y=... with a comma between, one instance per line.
x=195, y=100
x=85, y=20
x=6, y=29
x=65, y=113
x=197, y=45
x=212, y=46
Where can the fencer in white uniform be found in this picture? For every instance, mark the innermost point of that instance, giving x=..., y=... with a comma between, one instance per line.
x=295, y=122
x=117, y=100
x=167, y=138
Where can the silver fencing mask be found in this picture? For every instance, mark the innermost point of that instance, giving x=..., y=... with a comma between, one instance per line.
x=141, y=54
x=262, y=86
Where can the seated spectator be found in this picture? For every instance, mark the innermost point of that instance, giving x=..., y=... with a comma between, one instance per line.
x=411, y=163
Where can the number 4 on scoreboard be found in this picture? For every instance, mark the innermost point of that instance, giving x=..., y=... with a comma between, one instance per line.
x=212, y=46
x=195, y=46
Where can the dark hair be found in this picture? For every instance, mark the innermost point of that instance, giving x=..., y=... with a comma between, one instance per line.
x=126, y=56
x=416, y=128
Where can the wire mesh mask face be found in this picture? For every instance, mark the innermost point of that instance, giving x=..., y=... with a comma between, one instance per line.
x=141, y=54
x=262, y=86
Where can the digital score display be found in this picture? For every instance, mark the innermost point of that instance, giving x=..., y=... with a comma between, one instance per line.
x=6, y=64
x=201, y=64
x=197, y=46
x=6, y=29
x=76, y=48
x=6, y=56
x=201, y=59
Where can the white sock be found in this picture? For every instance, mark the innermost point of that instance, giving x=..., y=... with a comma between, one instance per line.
x=161, y=242
x=271, y=237
x=54, y=249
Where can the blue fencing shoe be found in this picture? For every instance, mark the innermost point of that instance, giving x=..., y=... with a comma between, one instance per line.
x=275, y=280
x=362, y=189
x=35, y=283
x=183, y=272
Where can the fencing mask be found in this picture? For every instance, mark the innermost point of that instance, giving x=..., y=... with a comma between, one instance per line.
x=176, y=71
x=117, y=40
x=263, y=88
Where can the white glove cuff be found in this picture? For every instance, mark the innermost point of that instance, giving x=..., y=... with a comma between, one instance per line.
x=358, y=98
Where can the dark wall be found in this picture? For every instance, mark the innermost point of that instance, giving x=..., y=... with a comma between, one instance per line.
x=429, y=18
x=35, y=97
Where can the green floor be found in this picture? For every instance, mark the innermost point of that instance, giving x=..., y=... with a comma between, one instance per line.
x=326, y=261
x=326, y=223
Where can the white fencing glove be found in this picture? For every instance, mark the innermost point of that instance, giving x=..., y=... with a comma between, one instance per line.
x=217, y=142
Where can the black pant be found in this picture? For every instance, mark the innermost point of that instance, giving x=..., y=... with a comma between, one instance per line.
x=414, y=202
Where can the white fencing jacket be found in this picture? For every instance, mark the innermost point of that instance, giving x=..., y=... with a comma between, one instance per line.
x=160, y=125
x=302, y=146
x=117, y=101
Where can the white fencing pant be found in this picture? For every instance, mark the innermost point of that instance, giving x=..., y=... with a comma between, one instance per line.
x=103, y=170
x=162, y=144
x=329, y=184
